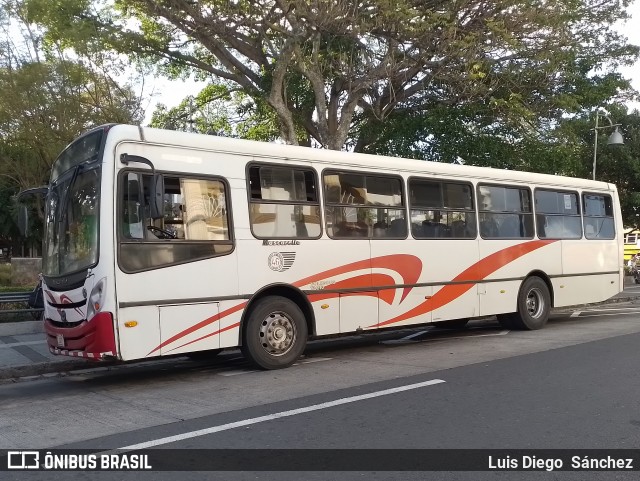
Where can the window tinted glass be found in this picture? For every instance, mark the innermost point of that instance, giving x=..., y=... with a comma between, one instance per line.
x=598, y=216
x=503, y=199
x=283, y=202
x=441, y=210
x=282, y=184
x=360, y=205
x=505, y=212
x=195, y=224
x=557, y=215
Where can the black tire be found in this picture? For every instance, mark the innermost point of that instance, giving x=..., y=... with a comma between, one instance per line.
x=275, y=333
x=452, y=324
x=534, y=306
x=203, y=355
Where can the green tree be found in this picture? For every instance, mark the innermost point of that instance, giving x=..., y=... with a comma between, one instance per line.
x=48, y=99
x=618, y=164
x=330, y=70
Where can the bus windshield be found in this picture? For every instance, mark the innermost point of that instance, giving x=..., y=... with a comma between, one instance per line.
x=71, y=226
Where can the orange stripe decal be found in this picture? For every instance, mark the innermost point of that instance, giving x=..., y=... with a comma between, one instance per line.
x=407, y=266
x=232, y=326
x=477, y=272
x=199, y=325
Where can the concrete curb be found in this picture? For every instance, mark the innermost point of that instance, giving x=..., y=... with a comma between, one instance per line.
x=14, y=373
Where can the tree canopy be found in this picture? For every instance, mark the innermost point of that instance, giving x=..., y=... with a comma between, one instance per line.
x=333, y=71
x=48, y=98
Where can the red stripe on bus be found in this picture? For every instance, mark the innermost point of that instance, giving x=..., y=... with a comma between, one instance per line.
x=477, y=272
x=232, y=326
x=409, y=267
x=200, y=325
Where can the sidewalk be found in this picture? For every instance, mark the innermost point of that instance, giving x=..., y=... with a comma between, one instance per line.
x=24, y=353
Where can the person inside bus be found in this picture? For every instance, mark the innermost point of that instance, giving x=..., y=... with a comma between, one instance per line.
x=380, y=229
x=432, y=227
x=488, y=226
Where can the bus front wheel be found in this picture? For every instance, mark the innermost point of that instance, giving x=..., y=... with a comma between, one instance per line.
x=534, y=306
x=275, y=333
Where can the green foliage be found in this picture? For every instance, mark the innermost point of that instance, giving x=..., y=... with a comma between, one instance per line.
x=618, y=164
x=5, y=275
x=46, y=100
x=324, y=72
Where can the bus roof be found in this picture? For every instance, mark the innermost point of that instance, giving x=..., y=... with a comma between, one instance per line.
x=272, y=151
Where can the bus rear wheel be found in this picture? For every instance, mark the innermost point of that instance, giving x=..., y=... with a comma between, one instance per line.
x=534, y=306
x=275, y=333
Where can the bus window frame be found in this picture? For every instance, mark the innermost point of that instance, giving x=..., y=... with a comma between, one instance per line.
x=579, y=215
x=506, y=186
x=474, y=205
x=584, y=216
x=121, y=239
x=403, y=196
x=276, y=202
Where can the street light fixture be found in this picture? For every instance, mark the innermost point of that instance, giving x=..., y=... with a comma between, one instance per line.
x=614, y=139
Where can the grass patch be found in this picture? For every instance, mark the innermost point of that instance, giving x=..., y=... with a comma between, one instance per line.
x=16, y=288
x=5, y=274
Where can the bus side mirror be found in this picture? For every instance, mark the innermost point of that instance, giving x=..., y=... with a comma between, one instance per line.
x=23, y=220
x=157, y=197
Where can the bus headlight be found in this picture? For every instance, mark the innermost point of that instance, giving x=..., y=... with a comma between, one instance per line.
x=96, y=298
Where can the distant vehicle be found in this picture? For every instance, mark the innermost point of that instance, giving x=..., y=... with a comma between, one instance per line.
x=631, y=243
x=160, y=243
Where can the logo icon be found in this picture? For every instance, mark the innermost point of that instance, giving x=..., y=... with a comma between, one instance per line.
x=281, y=261
x=23, y=460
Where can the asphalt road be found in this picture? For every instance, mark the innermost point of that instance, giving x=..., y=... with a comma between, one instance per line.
x=573, y=385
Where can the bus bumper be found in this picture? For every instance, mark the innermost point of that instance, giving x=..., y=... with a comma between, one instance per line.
x=93, y=339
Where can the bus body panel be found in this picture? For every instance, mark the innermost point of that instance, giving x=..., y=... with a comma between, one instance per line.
x=503, y=266
x=174, y=319
x=138, y=341
x=351, y=284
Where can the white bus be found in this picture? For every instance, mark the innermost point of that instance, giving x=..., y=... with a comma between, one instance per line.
x=160, y=243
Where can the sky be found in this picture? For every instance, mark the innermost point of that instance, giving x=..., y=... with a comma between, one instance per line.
x=631, y=29
x=172, y=93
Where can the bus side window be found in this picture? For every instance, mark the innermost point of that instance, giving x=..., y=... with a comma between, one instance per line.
x=283, y=202
x=195, y=224
x=598, y=216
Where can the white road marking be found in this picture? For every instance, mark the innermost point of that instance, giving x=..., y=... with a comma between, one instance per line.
x=23, y=343
x=598, y=309
x=237, y=372
x=411, y=336
x=601, y=314
x=282, y=414
x=575, y=313
x=471, y=335
x=313, y=359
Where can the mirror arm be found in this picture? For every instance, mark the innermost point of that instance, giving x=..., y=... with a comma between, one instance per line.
x=157, y=184
x=126, y=158
x=42, y=190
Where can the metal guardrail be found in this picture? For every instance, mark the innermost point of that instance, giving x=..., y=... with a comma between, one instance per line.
x=10, y=297
x=18, y=298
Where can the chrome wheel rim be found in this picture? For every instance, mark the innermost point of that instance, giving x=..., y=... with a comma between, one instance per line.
x=535, y=303
x=277, y=333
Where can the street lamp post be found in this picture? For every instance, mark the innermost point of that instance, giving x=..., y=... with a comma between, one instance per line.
x=614, y=139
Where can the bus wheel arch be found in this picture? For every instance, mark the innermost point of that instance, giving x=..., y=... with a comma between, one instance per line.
x=275, y=326
x=533, y=305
